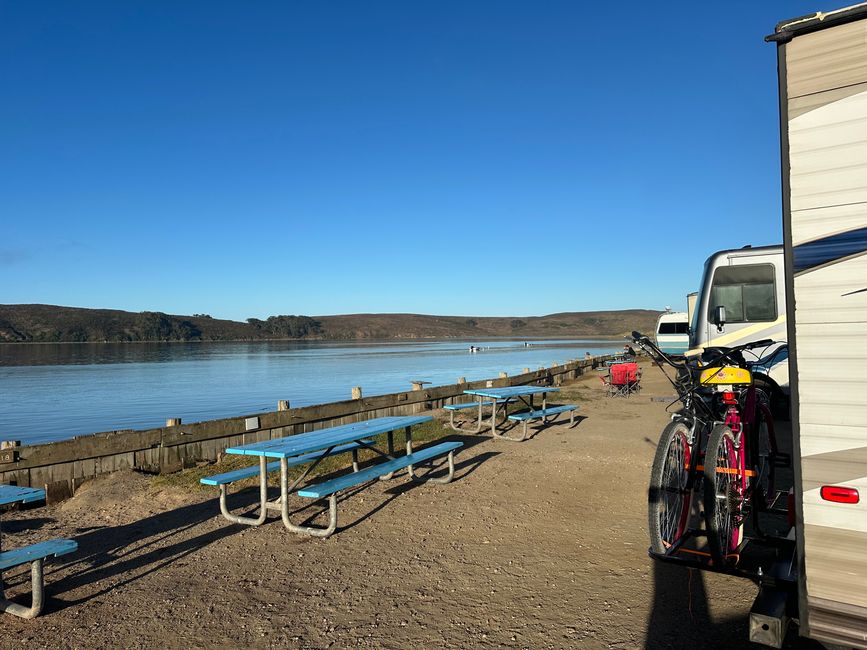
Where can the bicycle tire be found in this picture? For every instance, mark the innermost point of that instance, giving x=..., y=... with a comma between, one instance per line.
x=764, y=464
x=723, y=504
x=668, y=498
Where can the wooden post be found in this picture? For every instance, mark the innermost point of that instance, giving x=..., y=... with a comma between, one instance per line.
x=356, y=392
x=283, y=405
x=9, y=451
x=173, y=422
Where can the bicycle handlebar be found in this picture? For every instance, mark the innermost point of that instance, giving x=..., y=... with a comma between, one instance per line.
x=644, y=341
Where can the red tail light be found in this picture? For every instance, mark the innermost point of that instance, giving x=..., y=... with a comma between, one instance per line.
x=839, y=494
x=729, y=398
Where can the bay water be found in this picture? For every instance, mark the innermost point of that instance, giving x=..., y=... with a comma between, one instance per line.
x=57, y=391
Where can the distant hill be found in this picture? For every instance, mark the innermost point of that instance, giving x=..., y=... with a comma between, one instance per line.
x=49, y=323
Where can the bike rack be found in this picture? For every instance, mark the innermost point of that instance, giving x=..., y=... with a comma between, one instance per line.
x=757, y=539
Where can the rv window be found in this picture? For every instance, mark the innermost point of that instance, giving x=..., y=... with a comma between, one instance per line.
x=673, y=328
x=747, y=292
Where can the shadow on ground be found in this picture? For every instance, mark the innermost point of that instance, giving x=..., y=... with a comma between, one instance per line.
x=114, y=556
x=680, y=616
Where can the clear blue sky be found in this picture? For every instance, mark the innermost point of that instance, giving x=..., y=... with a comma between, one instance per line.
x=245, y=159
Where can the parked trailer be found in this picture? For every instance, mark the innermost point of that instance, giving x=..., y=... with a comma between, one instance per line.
x=672, y=332
x=822, y=66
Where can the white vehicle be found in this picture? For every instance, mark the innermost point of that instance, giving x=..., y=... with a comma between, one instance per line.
x=822, y=64
x=742, y=298
x=672, y=332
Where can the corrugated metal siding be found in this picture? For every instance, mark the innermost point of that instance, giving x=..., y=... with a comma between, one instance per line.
x=827, y=107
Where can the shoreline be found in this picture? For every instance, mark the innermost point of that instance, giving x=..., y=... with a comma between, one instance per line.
x=404, y=339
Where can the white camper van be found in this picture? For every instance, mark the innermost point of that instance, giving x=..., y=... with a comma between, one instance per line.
x=672, y=332
x=742, y=298
x=822, y=65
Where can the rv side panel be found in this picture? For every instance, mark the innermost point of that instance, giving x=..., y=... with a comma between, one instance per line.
x=823, y=76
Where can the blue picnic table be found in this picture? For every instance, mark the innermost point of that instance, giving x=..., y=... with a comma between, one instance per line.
x=10, y=494
x=500, y=398
x=35, y=554
x=310, y=449
x=16, y=494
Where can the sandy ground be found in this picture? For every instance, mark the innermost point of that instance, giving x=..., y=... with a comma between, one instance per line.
x=540, y=544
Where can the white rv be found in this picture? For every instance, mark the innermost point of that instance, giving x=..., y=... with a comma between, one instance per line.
x=822, y=65
x=672, y=332
x=742, y=298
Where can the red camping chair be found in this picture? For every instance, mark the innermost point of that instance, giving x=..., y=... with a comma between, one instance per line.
x=623, y=379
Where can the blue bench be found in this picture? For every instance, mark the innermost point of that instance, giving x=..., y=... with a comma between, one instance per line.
x=468, y=405
x=35, y=554
x=331, y=487
x=543, y=414
x=248, y=472
x=453, y=408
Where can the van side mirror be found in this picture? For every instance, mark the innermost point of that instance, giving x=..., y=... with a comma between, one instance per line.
x=719, y=317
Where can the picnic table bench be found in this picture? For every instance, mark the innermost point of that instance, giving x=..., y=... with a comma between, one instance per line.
x=502, y=397
x=543, y=414
x=34, y=554
x=453, y=408
x=310, y=449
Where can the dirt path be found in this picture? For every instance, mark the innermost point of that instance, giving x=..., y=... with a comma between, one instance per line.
x=535, y=545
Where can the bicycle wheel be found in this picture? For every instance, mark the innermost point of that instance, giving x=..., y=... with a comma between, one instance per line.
x=723, y=493
x=763, y=487
x=668, y=498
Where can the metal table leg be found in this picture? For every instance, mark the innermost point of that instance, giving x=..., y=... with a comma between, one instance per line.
x=263, y=499
x=390, y=436
x=37, y=583
x=315, y=531
x=409, y=469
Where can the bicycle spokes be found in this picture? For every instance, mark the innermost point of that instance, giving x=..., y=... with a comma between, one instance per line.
x=673, y=514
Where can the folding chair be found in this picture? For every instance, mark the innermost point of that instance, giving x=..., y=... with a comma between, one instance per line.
x=633, y=378
x=623, y=379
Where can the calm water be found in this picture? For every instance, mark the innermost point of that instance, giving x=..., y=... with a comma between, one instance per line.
x=51, y=392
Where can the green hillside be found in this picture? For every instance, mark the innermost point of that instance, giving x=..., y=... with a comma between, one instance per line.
x=49, y=323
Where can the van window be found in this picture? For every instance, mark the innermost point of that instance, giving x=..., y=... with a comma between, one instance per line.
x=673, y=328
x=747, y=292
